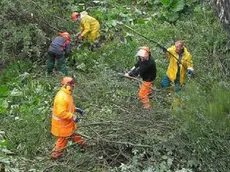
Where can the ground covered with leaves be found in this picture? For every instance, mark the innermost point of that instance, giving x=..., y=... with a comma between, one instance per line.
x=185, y=132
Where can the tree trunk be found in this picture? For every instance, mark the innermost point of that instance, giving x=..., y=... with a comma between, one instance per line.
x=222, y=8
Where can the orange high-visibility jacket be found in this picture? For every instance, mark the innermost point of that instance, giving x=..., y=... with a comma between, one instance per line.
x=90, y=27
x=173, y=64
x=63, y=109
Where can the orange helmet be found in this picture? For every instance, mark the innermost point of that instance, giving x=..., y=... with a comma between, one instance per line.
x=64, y=34
x=143, y=52
x=75, y=15
x=145, y=48
x=67, y=80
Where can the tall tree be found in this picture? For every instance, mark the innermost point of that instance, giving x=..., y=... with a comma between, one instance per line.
x=223, y=10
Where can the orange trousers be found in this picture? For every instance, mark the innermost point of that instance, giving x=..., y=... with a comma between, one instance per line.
x=61, y=143
x=144, y=93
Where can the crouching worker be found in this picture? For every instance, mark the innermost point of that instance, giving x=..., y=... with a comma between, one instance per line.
x=146, y=68
x=58, y=50
x=90, y=29
x=63, y=118
x=89, y=25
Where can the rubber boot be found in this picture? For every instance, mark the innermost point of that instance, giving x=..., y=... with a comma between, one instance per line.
x=50, y=64
x=62, y=65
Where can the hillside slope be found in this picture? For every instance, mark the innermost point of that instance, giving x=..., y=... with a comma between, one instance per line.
x=191, y=134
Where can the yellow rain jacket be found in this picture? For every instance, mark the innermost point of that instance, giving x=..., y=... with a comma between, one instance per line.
x=63, y=109
x=173, y=64
x=90, y=27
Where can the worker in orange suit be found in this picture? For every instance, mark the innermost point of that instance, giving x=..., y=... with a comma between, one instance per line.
x=63, y=118
x=146, y=68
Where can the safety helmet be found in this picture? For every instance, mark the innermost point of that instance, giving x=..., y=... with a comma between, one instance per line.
x=75, y=15
x=144, y=51
x=67, y=80
x=84, y=13
x=145, y=48
x=64, y=35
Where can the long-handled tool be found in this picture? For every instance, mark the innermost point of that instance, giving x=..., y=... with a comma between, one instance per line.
x=159, y=45
x=134, y=78
x=138, y=33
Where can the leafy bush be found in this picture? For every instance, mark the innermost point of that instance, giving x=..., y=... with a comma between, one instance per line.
x=172, y=8
x=206, y=125
x=29, y=25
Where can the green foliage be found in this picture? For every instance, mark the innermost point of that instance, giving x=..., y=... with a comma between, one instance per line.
x=4, y=106
x=28, y=27
x=21, y=107
x=122, y=136
x=206, y=125
x=172, y=8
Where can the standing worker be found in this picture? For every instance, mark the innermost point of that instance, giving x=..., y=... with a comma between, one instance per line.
x=146, y=67
x=59, y=49
x=180, y=63
x=63, y=118
x=89, y=28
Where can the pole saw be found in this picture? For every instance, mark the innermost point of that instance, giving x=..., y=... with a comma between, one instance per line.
x=136, y=79
x=159, y=45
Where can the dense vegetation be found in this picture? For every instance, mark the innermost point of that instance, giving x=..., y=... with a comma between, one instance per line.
x=189, y=135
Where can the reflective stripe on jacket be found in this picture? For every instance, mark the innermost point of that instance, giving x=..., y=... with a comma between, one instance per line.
x=173, y=64
x=63, y=109
x=89, y=25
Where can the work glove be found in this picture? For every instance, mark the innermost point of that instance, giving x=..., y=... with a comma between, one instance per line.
x=164, y=49
x=79, y=110
x=134, y=72
x=75, y=118
x=79, y=33
x=190, y=71
x=126, y=74
x=79, y=37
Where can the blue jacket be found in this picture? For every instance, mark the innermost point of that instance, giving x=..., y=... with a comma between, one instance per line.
x=60, y=46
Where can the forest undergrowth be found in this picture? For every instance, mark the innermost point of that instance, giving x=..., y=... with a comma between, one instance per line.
x=185, y=132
